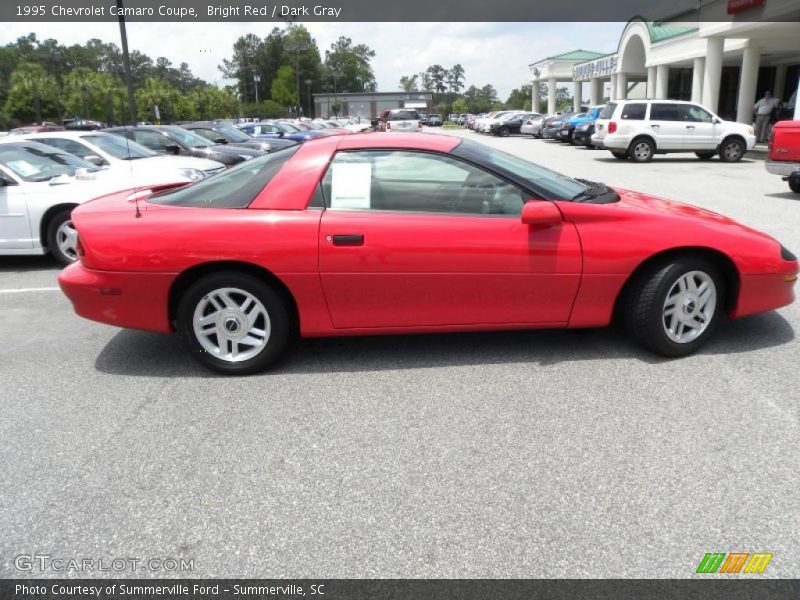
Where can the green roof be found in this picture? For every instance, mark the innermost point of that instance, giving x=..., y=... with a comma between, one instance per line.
x=577, y=55
x=659, y=32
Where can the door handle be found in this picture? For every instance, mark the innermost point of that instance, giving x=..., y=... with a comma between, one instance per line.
x=690, y=127
x=348, y=240
x=655, y=126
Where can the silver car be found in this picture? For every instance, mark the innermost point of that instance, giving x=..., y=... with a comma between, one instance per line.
x=399, y=119
x=533, y=126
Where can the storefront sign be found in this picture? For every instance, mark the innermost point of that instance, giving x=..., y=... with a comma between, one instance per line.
x=596, y=68
x=737, y=6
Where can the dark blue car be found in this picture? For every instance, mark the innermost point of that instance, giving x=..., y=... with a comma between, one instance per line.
x=280, y=129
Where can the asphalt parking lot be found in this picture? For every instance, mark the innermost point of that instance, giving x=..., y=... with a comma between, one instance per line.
x=533, y=454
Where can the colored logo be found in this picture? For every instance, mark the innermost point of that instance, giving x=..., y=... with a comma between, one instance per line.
x=719, y=562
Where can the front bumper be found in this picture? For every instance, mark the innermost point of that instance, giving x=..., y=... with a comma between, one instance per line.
x=123, y=299
x=763, y=292
x=782, y=168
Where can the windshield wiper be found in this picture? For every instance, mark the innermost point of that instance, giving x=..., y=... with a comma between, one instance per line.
x=595, y=192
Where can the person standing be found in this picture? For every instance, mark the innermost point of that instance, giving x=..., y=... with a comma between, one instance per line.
x=763, y=109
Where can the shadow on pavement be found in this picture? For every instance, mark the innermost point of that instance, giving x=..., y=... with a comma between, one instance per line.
x=16, y=264
x=784, y=196
x=666, y=159
x=153, y=355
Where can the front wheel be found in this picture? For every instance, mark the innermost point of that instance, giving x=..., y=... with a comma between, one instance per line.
x=62, y=238
x=731, y=150
x=504, y=132
x=234, y=323
x=675, y=307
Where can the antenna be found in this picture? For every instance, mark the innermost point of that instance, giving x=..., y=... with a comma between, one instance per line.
x=133, y=179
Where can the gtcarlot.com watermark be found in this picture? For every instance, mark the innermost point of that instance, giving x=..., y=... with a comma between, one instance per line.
x=46, y=562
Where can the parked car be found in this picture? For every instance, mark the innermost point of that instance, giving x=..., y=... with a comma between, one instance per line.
x=533, y=126
x=36, y=128
x=639, y=129
x=171, y=139
x=453, y=117
x=230, y=136
x=39, y=187
x=400, y=120
x=569, y=126
x=132, y=164
x=271, y=130
x=552, y=127
x=472, y=119
x=784, y=153
x=486, y=123
x=296, y=242
x=511, y=123
x=582, y=135
x=434, y=120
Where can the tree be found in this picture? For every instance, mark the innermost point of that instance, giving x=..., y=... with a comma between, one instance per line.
x=241, y=65
x=31, y=86
x=520, y=97
x=460, y=106
x=283, y=87
x=352, y=63
x=455, y=79
x=409, y=84
x=438, y=75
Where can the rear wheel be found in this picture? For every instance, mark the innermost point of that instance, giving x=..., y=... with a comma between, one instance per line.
x=705, y=155
x=642, y=150
x=731, y=150
x=234, y=323
x=794, y=183
x=62, y=238
x=675, y=307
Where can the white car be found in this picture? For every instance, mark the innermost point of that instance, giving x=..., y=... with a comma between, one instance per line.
x=486, y=122
x=638, y=129
x=39, y=187
x=132, y=164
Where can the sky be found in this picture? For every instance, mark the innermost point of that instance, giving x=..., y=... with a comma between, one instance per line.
x=496, y=53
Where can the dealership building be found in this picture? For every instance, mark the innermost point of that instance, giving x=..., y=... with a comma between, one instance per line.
x=725, y=59
x=369, y=105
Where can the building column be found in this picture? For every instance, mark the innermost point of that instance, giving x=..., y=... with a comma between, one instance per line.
x=697, y=79
x=748, y=78
x=577, y=95
x=595, y=91
x=551, y=96
x=613, y=93
x=780, y=84
x=622, y=86
x=713, y=73
x=662, y=82
x=535, y=96
x=651, y=82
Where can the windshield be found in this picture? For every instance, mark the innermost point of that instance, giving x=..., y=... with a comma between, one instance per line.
x=119, y=147
x=186, y=137
x=36, y=162
x=552, y=185
x=233, y=134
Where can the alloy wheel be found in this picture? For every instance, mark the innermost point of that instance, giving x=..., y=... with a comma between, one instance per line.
x=67, y=240
x=689, y=306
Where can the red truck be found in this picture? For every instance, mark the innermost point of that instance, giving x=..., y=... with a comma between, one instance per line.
x=784, y=153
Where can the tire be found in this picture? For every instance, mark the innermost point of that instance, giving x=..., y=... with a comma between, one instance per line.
x=254, y=323
x=62, y=238
x=504, y=132
x=705, y=155
x=571, y=139
x=641, y=150
x=794, y=183
x=619, y=155
x=672, y=334
x=731, y=150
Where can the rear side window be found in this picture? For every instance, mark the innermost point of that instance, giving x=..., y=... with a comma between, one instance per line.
x=665, y=112
x=634, y=112
x=234, y=188
x=608, y=111
x=404, y=115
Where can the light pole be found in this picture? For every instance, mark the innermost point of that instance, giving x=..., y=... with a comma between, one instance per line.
x=308, y=83
x=297, y=47
x=256, y=81
x=126, y=63
x=336, y=73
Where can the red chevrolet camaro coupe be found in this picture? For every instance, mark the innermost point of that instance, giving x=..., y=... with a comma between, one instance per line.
x=404, y=233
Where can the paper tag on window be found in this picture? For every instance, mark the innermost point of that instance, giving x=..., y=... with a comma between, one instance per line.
x=23, y=167
x=351, y=185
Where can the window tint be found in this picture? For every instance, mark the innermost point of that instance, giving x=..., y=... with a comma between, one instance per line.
x=36, y=162
x=608, y=111
x=235, y=188
x=119, y=147
x=152, y=139
x=404, y=115
x=416, y=182
x=209, y=134
x=665, y=112
x=634, y=112
x=69, y=146
x=691, y=112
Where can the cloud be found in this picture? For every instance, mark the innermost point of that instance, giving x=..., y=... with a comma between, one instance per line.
x=496, y=53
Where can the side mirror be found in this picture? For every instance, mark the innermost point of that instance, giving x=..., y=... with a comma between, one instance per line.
x=540, y=213
x=281, y=134
x=172, y=149
x=5, y=181
x=716, y=121
x=220, y=140
x=95, y=160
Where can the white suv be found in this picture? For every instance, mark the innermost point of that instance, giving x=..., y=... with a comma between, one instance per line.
x=638, y=129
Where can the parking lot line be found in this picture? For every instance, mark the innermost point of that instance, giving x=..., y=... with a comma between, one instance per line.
x=25, y=290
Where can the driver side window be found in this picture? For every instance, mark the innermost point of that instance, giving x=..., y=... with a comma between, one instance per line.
x=407, y=181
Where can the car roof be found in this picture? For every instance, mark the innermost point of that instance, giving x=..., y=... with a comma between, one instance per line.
x=410, y=141
x=64, y=134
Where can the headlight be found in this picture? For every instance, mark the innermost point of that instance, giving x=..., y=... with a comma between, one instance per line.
x=193, y=174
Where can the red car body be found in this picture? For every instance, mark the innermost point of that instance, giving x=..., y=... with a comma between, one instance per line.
x=414, y=272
